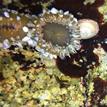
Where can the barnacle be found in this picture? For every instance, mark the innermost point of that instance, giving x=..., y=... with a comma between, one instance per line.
x=58, y=33
x=12, y=25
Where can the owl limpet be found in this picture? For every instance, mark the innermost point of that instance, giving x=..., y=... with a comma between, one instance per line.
x=88, y=28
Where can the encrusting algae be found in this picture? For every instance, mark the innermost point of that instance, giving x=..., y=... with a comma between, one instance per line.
x=24, y=87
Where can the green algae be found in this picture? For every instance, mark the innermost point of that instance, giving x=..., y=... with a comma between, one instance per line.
x=103, y=10
x=43, y=86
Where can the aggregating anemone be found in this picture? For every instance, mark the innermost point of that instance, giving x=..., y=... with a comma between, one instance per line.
x=13, y=25
x=60, y=32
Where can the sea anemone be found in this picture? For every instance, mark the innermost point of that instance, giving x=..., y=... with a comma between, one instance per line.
x=58, y=33
x=12, y=25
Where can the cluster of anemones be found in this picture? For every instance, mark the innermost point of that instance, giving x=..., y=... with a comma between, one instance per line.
x=54, y=32
x=60, y=32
